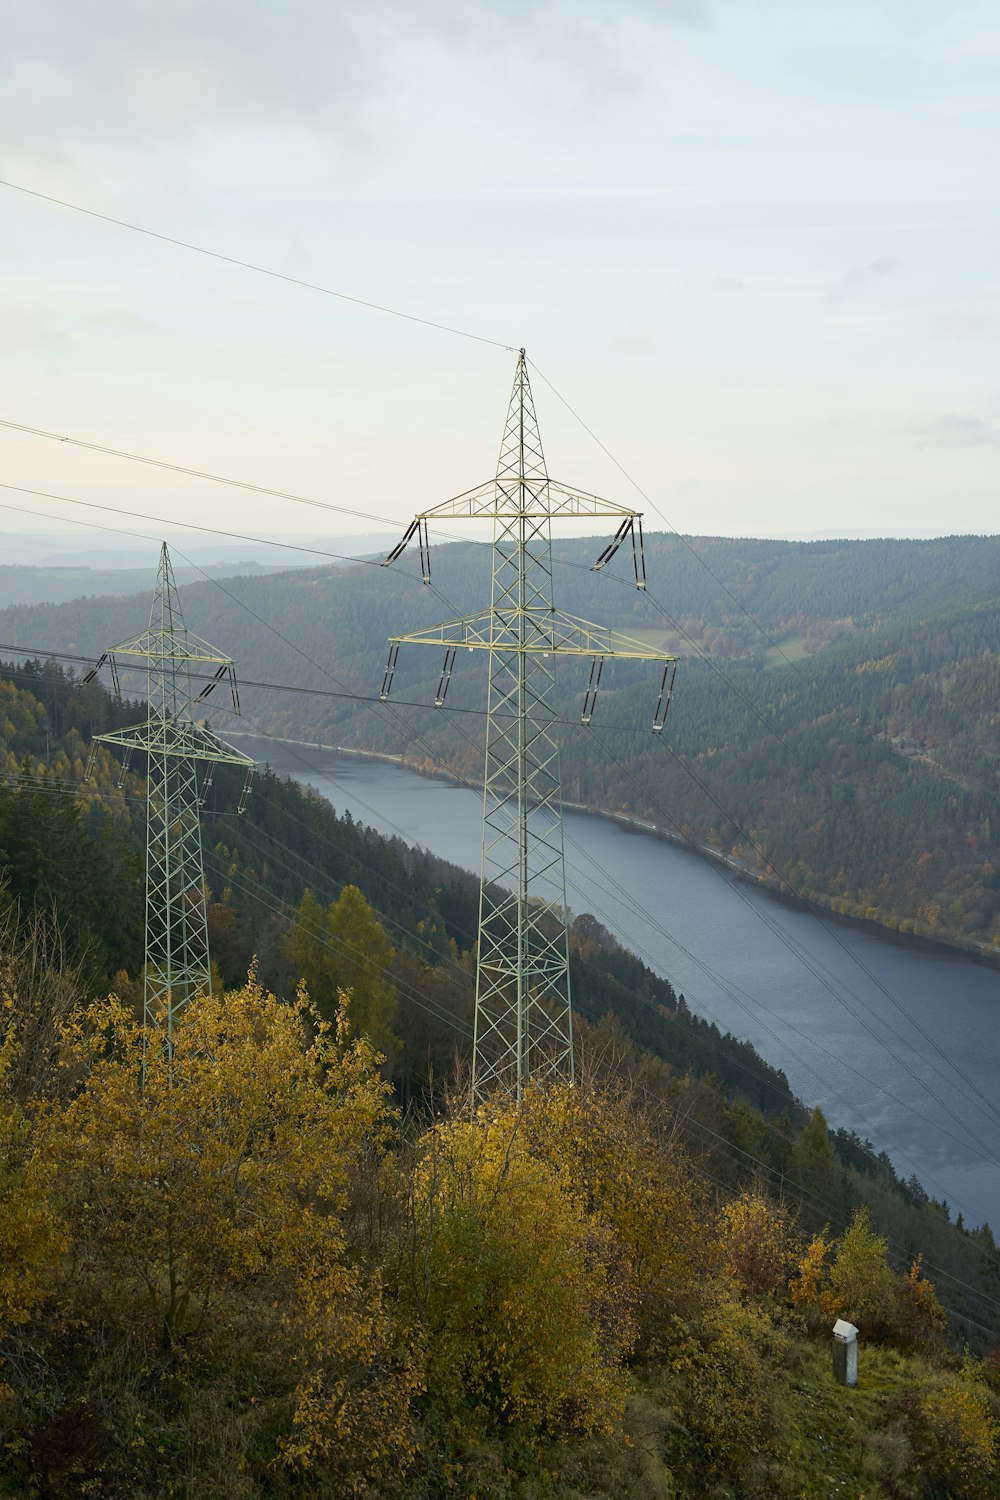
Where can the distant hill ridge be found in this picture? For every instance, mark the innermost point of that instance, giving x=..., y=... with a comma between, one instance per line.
x=835, y=713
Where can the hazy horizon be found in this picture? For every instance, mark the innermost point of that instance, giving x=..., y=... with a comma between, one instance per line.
x=57, y=550
x=751, y=245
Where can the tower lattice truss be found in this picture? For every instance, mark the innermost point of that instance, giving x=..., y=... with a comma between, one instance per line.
x=182, y=671
x=523, y=1017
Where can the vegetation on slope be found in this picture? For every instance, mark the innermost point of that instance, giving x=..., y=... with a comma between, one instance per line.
x=293, y=887
x=249, y=1276
x=258, y=1277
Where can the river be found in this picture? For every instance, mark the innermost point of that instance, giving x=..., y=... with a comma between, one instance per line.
x=870, y=1029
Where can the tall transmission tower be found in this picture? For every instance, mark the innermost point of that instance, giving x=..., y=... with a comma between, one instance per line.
x=177, y=957
x=523, y=1019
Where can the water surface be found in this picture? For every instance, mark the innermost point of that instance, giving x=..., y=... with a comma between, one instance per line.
x=872, y=1030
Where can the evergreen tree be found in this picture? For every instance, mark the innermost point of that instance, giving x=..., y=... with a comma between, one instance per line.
x=345, y=947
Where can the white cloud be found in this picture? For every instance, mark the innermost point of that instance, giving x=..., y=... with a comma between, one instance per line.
x=953, y=430
x=964, y=326
x=862, y=277
x=654, y=197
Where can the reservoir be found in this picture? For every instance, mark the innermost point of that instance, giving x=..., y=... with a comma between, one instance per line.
x=900, y=1043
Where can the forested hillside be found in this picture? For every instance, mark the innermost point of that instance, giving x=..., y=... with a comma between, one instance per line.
x=20, y=584
x=833, y=728
x=278, y=1267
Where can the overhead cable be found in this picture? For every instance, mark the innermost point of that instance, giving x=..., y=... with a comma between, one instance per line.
x=246, y=265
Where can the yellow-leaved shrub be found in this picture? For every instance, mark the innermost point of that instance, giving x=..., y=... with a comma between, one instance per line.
x=757, y=1242
x=639, y=1185
x=204, y=1191
x=851, y=1278
x=514, y=1286
x=920, y=1318
x=723, y=1392
x=956, y=1434
x=31, y=1238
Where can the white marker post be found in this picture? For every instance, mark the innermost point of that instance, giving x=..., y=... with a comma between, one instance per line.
x=845, y=1352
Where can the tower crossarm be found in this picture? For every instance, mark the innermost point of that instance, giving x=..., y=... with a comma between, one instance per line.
x=515, y=499
x=176, y=646
x=179, y=738
x=545, y=632
x=528, y=496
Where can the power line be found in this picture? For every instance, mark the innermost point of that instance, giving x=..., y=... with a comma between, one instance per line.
x=174, y=468
x=382, y=520
x=741, y=894
x=669, y=524
x=810, y=963
x=411, y=735
x=820, y=973
x=71, y=788
x=376, y=307
x=719, y=671
x=344, y=695
x=226, y=479
x=246, y=265
x=140, y=515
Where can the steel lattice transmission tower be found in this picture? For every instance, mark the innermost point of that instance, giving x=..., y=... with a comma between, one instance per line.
x=523, y=1020
x=177, y=957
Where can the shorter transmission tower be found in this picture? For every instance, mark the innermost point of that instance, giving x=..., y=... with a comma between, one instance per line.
x=178, y=965
x=523, y=1022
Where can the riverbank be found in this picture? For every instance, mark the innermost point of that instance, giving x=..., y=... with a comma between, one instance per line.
x=813, y=902
x=891, y=1039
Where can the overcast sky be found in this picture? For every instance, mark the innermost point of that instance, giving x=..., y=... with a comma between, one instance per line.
x=752, y=242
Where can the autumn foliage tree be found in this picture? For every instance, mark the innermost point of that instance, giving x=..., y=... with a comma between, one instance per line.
x=31, y=1237
x=757, y=1242
x=956, y=1435
x=920, y=1318
x=636, y=1181
x=851, y=1278
x=34, y=995
x=203, y=1195
x=514, y=1285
